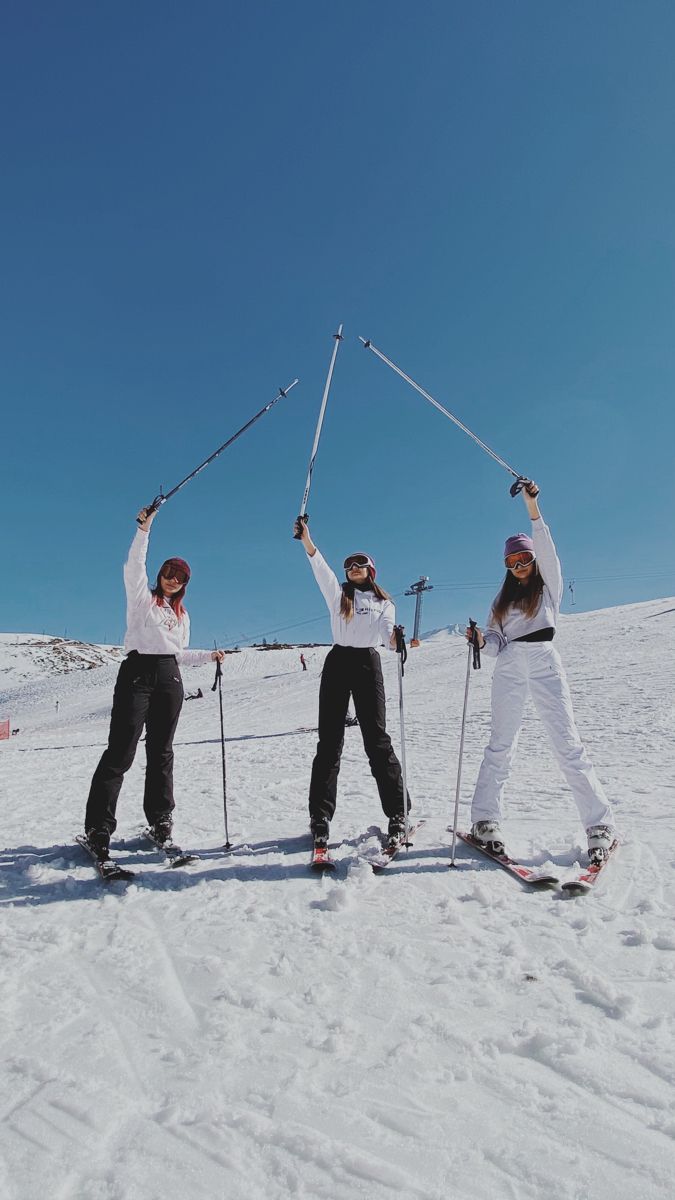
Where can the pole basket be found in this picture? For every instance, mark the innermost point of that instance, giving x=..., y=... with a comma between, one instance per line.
x=414, y=642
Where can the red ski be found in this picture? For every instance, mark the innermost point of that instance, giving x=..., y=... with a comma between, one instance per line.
x=588, y=878
x=321, y=859
x=386, y=855
x=527, y=875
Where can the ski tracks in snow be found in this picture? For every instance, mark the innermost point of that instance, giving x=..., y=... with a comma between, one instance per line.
x=242, y=1028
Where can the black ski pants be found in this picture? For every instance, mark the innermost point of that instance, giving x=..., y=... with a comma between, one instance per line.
x=148, y=692
x=350, y=671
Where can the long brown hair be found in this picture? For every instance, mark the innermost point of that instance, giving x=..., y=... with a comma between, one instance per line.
x=525, y=596
x=348, y=589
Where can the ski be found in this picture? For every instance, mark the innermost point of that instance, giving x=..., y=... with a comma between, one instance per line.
x=176, y=856
x=324, y=861
x=321, y=859
x=588, y=878
x=108, y=868
x=386, y=855
x=527, y=875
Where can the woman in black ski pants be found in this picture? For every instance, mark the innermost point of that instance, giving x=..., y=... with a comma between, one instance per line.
x=362, y=618
x=148, y=692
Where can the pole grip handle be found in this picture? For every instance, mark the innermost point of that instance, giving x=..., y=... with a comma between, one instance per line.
x=299, y=521
x=401, y=648
x=473, y=642
x=517, y=486
x=219, y=675
x=151, y=508
x=522, y=482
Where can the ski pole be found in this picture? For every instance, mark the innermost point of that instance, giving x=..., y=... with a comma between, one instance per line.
x=163, y=497
x=474, y=653
x=402, y=652
x=520, y=480
x=218, y=683
x=319, y=425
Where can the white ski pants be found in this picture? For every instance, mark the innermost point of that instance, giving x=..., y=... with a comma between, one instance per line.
x=535, y=667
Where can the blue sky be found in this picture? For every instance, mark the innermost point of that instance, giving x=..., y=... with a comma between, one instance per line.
x=195, y=196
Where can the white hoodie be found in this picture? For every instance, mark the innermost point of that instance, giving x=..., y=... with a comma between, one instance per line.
x=516, y=623
x=153, y=628
x=373, y=620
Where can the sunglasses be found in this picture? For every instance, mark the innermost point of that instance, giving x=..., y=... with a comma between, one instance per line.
x=176, y=573
x=357, y=560
x=522, y=559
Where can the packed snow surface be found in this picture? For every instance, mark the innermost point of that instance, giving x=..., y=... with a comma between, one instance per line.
x=241, y=1028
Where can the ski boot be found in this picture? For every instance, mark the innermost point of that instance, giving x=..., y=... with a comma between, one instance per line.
x=396, y=830
x=489, y=835
x=162, y=829
x=320, y=830
x=98, y=841
x=600, y=841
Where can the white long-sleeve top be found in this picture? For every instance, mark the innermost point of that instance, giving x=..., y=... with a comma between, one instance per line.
x=153, y=628
x=516, y=623
x=373, y=620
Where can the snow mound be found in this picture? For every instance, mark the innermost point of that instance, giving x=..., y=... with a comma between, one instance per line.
x=31, y=656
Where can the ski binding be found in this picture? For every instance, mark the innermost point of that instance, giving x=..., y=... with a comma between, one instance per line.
x=176, y=856
x=527, y=875
x=321, y=859
x=386, y=855
x=588, y=878
x=108, y=868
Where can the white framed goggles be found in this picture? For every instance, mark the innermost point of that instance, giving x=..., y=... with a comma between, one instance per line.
x=357, y=560
x=521, y=558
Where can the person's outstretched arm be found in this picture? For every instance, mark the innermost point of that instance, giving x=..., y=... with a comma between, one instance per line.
x=544, y=546
x=135, y=574
x=325, y=577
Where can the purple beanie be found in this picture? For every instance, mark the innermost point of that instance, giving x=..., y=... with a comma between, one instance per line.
x=519, y=541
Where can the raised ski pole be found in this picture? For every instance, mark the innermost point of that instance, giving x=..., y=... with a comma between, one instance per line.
x=162, y=498
x=402, y=653
x=474, y=654
x=302, y=516
x=218, y=683
x=520, y=480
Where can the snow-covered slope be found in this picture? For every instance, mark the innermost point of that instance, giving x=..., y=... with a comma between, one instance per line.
x=242, y=1029
x=444, y=631
x=32, y=656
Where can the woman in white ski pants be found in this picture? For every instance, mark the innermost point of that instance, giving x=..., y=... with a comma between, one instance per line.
x=520, y=632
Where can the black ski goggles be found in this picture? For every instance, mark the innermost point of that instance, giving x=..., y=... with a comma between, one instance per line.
x=357, y=560
x=175, y=573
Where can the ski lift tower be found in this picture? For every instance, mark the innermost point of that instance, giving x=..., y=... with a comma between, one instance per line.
x=417, y=590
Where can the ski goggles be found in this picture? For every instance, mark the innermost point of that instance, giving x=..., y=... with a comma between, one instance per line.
x=522, y=558
x=177, y=573
x=357, y=560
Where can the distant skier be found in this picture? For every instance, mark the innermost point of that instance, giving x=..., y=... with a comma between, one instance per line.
x=362, y=618
x=148, y=692
x=302, y=662
x=520, y=631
